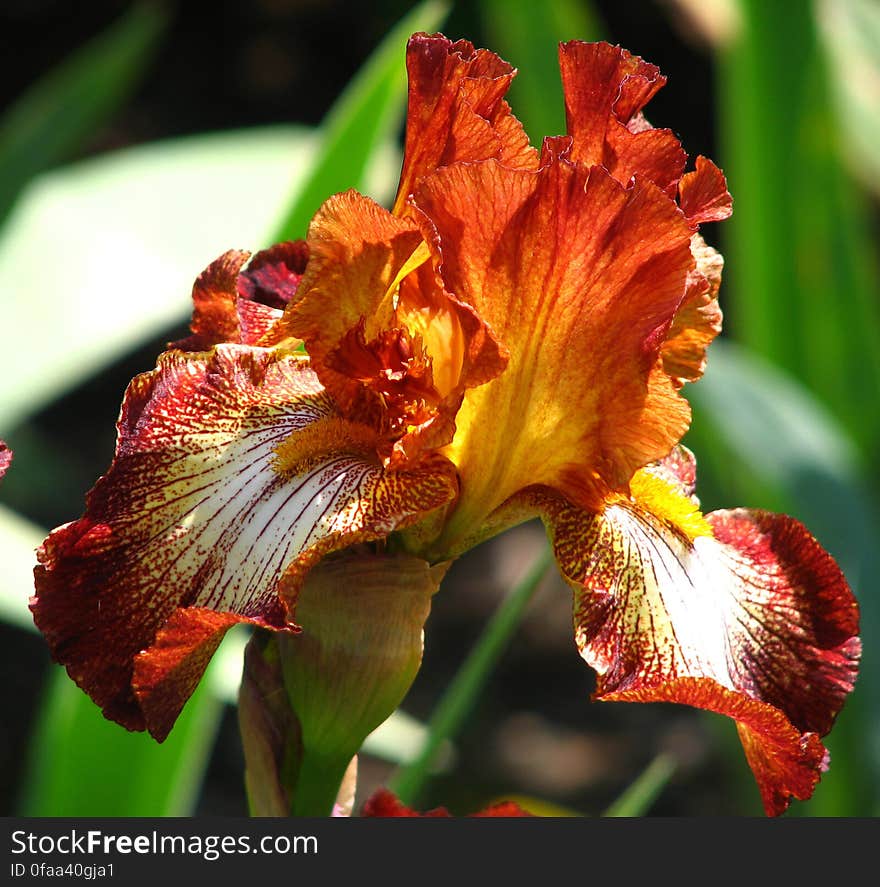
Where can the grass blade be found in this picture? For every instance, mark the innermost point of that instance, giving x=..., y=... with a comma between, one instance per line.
x=637, y=799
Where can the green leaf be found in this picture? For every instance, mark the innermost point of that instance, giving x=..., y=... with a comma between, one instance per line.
x=801, y=278
x=79, y=764
x=777, y=447
x=63, y=109
x=527, y=35
x=83, y=765
x=364, y=117
x=850, y=35
x=101, y=255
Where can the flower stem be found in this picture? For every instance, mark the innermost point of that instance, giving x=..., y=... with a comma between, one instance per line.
x=461, y=695
x=318, y=785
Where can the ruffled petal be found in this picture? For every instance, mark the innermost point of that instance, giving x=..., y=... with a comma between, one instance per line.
x=382, y=334
x=605, y=89
x=456, y=110
x=233, y=469
x=744, y=614
x=241, y=305
x=579, y=278
x=273, y=275
x=703, y=194
x=698, y=320
x=358, y=253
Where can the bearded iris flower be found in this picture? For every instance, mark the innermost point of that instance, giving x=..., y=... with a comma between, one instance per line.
x=509, y=341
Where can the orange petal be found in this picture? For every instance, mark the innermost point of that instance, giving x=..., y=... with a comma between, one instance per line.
x=233, y=469
x=370, y=283
x=579, y=278
x=357, y=253
x=703, y=193
x=755, y=621
x=698, y=320
x=605, y=89
x=456, y=110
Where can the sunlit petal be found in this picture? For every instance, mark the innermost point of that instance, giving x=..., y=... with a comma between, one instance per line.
x=746, y=615
x=232, y=470
x=579, y=278
x=456, y=110
x=241, y=305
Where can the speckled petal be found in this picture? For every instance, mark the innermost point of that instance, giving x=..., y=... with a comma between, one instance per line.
x=232, y=470
x=743, y=614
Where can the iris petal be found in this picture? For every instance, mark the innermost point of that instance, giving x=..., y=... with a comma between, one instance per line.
x=755, y=621
x=579, y=278
x=202, y=513
x=456, y=111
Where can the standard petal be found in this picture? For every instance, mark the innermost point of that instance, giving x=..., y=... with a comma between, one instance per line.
x=746, y=615
x=579, y=278
x=605, y=89
x=232, y=470
x=456, y=111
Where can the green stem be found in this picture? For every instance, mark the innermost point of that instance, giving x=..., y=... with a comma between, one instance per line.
x=317, y=786
x=459, y=699
x=637, y=799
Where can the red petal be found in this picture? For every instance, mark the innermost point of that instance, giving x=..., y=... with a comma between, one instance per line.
x=757, y=623
x=167, y=673
x=273, y=275
x=238, y=306
x=385, y=804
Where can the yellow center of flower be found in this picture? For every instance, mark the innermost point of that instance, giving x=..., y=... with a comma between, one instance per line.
x=661, y=499
x=330, y=435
